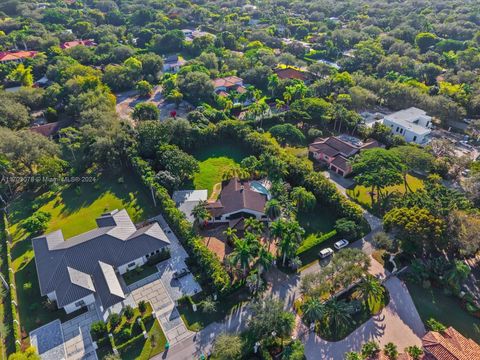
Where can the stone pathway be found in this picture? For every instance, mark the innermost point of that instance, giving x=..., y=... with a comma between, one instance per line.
x=76, y=333
x=172, y=324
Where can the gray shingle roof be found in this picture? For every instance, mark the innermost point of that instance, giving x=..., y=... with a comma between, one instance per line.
x=83, y=264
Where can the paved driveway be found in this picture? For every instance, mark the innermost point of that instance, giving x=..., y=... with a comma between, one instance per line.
x=398, y=322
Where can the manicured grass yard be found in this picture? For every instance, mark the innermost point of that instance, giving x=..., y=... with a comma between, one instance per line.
x=213, y=161
x=135, y=275
x=74, y=210
x=316, y=222
x=433, y=303
x=361, y=194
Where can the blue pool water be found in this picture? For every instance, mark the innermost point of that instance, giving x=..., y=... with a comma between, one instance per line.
x=256, y=186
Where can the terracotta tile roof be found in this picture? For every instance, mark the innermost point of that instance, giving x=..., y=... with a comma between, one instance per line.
x=50, y=128
x=70, y=44
x=341, y=163
x=237, y=195
x=451, y=345
x=16, y=55
x=228, y=82
x=290, y=73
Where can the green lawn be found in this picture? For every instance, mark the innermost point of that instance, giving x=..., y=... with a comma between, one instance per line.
x=213, y=161
x=433, y=303
x=361, y=194
x=316, y=222
x=140, y=273
x=74, y=210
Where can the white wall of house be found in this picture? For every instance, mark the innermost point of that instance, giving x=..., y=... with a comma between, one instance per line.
x=408, y=134
x=87, y=300
x=122, y=269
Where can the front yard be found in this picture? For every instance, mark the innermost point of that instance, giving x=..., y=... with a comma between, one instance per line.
x=74, y=210
x=128, y=337
x=197, y=320
x=361, y=194
x=433, y=303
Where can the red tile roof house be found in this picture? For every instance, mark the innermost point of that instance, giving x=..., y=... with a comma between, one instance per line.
x=337, y=151
x=290, y=73
x=449, y=345
x=16, y=56
x=71, y=44
x=224, y=85
x=237, y=200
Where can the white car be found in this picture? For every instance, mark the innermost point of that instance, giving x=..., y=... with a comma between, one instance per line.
x=325, y=253
x=341, y=244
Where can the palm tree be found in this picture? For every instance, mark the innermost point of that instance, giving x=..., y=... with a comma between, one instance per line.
x=254, y=225
x=391, y=351
x=264, y=260
x=337, y=314
x=273, y=209
x=242, y=255
x=414, y=351
x=458, y=274
x=235, y=171
x=371, y=291
x=200, y=212
x=230, y=234
x=353, y=356
x=277, y=229
x=313, y=310
x=369, y=349
x=289, y=242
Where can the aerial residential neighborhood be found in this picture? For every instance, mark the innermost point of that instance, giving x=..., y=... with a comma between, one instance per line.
x=251, y=180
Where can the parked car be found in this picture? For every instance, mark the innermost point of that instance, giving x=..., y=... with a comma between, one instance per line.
x=325, y=253
x=341, y=244
x=180, y=273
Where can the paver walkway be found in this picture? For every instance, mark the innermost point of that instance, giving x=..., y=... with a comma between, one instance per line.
x=76, y=333
x=164, y=307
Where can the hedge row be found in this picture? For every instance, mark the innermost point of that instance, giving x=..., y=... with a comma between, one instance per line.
x=15, y=332
x=213, y=271
x=313, y=241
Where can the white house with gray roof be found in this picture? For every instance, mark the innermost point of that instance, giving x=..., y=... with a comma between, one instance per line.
x=85, y=269
x=413, y=124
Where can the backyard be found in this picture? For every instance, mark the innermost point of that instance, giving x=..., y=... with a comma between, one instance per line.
x=74, y=210
x=213, y=161
x=433, y=303
x=361, y=194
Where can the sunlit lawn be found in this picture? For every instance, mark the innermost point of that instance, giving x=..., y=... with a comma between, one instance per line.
x=74, y=210
x=361, y=194
x=213, y=161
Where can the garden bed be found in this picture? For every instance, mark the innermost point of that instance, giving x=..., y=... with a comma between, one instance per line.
x=129, y=340
x=358, y=318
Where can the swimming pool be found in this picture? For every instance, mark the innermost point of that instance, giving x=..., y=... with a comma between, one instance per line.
x=258, y=187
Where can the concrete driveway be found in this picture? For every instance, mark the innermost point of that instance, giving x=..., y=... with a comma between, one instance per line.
x=398, y=322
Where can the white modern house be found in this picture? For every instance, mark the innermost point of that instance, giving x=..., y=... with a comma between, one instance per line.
x=413, y=124
x=85, y=269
